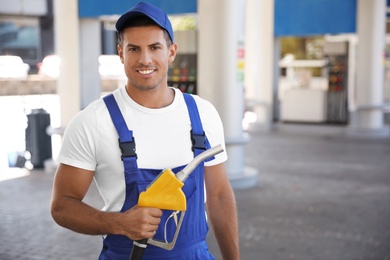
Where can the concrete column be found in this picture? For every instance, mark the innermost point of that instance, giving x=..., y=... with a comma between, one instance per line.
x=368, y=117
x=91, y=86
x=277, y=53
x=259, y=59
x=67, y=47
x=218, y=22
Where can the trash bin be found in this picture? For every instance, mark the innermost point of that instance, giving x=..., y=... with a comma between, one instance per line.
x=38, y=142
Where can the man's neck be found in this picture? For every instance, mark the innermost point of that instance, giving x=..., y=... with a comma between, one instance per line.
x=153, y=98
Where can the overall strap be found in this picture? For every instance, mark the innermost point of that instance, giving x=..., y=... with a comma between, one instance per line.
x=127, y=147
x=198, y=136
x=125, y=135
x=126, y=139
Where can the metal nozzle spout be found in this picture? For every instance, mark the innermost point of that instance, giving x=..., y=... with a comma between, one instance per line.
x=183, y=174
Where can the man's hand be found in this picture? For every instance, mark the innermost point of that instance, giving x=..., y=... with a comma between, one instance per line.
x=140, y=222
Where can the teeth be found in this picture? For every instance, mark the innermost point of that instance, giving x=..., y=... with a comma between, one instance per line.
x=145, y=71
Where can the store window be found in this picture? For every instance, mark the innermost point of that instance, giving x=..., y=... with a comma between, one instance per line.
x=20, y=37
x=303, y=48
x=182, y=72
x=314, y=80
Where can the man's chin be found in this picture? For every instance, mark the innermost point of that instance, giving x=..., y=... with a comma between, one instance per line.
x=143, y=87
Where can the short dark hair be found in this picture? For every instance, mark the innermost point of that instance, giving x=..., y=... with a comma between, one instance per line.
x=141, y=21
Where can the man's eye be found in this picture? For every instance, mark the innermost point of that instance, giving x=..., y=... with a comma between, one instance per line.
x=132, y=49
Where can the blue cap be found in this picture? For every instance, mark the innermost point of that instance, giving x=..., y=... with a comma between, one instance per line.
x=156, y=14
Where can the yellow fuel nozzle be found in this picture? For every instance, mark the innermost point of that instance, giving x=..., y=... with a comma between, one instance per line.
x=164, y=193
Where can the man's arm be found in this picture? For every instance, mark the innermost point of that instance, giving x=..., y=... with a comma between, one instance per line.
x=67, y=209
x=222, y=211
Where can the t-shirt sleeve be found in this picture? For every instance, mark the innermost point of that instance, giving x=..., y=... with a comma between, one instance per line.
x=213, y=127
x=78, y=144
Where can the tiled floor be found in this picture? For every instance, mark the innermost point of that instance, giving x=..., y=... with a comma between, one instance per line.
x=321, y=195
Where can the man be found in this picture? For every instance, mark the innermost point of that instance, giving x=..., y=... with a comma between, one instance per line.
x=155, y=125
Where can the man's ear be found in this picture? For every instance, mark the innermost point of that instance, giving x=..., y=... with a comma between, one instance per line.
x=120, y=51
x=172, y=52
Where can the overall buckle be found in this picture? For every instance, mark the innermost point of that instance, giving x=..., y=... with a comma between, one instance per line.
x=127, y=149
x=198, y=141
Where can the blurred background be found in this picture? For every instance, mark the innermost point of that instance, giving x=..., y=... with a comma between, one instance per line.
x=302, y=87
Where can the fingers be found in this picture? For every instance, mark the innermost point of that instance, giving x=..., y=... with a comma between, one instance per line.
x=155, y=212
x=142, y=222
x=150, y=221
x=145, y=234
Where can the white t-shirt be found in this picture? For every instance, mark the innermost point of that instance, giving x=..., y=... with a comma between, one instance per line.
x=162, y=138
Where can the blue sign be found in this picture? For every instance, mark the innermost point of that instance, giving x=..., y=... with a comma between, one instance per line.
x=96, y=8
x=291, y=17
x=314, y=17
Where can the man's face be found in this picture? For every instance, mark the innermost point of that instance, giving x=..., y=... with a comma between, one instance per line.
x=146, y=56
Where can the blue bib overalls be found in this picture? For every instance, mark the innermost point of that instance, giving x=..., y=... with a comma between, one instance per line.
x=191, y=242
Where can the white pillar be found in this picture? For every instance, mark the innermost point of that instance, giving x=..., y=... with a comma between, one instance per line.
x=368, y=117
x=90, y=38
x=219, y=22
x=259, y=59
x=67, y=47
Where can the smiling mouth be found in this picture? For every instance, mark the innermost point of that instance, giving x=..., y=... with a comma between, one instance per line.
x=145, y=72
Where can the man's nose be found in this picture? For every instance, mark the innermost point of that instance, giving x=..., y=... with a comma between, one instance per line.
x=145, y=58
